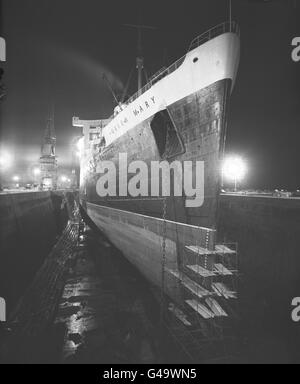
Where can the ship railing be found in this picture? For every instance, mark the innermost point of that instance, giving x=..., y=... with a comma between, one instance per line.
x=228, y=26
x=198, y=41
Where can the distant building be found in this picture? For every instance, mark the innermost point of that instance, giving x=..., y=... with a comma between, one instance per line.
x=48, y=160
x=92, y=139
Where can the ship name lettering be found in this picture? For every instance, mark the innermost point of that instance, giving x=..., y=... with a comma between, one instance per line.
x=118, y=126
x=140, y=108
x=136, y=112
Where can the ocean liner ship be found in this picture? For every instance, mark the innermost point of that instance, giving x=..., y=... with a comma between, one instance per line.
x=180, y=115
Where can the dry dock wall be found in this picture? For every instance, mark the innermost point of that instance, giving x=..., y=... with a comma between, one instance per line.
x=268, y=234
x=29, y=225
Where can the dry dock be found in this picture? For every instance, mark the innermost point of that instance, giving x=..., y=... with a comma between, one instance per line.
x=267, y=230
x=73, y=298
x=30, y=224
x=84, y=304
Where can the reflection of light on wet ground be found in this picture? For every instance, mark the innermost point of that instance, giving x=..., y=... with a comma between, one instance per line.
x=101, y=311
x=76, y=298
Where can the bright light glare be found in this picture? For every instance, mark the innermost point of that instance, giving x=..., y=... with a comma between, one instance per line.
x=48, y=182
x=64, y=179
x=36, y=171
x=80, y=147
x=16, y=179
x=5, y=160
x=234, y=168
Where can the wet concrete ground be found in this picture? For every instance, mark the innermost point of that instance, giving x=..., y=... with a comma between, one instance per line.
x=103, y=309
x=87, y=305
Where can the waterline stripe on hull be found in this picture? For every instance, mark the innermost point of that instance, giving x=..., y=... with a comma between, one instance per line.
x=149, y=217
x=140, y=239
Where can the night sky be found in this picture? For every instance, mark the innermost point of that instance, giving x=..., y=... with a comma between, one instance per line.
x=57, y=51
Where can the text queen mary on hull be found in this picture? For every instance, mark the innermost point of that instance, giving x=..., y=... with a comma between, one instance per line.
x=179, y=116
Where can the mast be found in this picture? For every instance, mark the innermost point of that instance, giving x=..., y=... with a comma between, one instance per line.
x=105, y=78
x=230, y=14
x=140, y=60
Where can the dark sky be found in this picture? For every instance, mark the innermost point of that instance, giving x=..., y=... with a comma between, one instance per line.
x=58, y=49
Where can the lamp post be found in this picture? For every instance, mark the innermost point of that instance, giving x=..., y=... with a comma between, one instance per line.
x=234, y=169
x=16, y=179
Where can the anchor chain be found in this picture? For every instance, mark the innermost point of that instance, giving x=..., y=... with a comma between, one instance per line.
x=164, y=248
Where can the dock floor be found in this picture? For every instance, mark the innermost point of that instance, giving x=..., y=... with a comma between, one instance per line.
x=86, y=305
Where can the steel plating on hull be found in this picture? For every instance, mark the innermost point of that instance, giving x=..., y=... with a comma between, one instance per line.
x=180, y=116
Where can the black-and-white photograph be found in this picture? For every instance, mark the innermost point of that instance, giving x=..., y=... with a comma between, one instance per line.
x=149, y=185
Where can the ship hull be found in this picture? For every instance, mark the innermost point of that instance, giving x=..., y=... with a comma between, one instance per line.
x=141, y=239
x=136, y=225
x=179, y=117
x=200, y=121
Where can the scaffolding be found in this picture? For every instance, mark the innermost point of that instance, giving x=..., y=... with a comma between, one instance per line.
x=202, y=322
